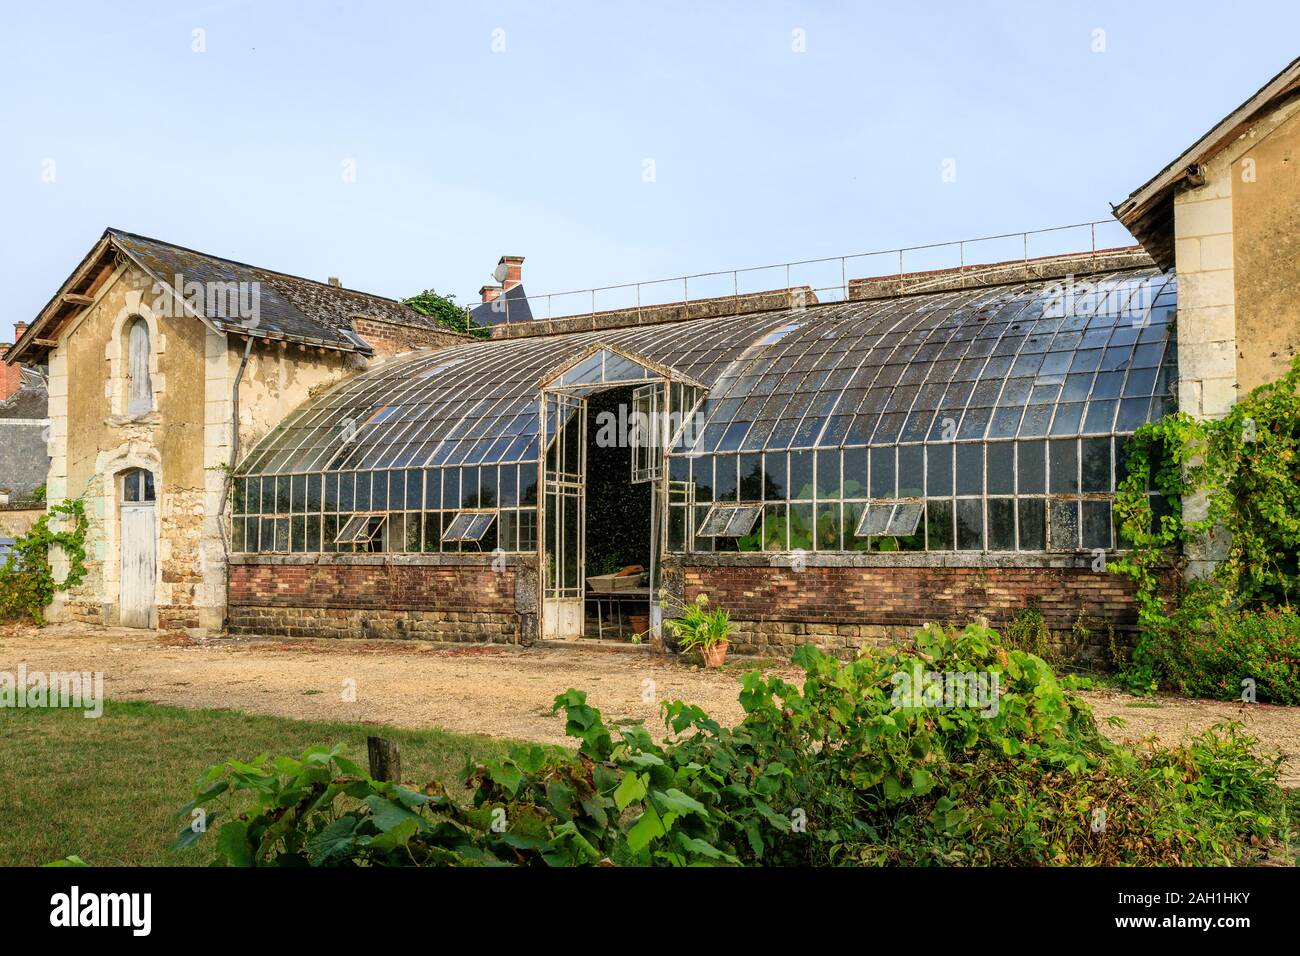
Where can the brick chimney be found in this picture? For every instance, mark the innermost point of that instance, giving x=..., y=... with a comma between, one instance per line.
x=11, y=376
x=489, y=293
x=514, y=271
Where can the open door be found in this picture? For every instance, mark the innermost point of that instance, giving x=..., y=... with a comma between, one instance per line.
x=564, y=490
x=649, y=418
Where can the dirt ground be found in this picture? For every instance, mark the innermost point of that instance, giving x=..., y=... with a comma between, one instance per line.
x=492, y=690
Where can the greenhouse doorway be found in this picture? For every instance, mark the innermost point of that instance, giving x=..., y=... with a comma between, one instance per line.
x=605, y=422
x=618, y=526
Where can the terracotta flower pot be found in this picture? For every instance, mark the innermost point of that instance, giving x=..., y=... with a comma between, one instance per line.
x=640, y=623
x=715, y=655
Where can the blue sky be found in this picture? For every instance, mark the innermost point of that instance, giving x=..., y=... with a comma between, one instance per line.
x=539, y=146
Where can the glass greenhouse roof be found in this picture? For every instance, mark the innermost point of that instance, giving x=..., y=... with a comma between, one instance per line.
x=1027, y=360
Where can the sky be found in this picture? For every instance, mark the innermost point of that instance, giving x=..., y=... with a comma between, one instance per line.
x=405, y=146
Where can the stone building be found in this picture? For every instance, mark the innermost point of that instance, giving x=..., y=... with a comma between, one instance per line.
x=836, y=465
x=163, y=363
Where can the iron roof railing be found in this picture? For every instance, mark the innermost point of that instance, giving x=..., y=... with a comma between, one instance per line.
x=936, y=269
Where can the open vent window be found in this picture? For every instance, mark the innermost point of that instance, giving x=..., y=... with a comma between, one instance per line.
x=361, y=529
x=730, y=521
x=469, y=526
x=890, y=518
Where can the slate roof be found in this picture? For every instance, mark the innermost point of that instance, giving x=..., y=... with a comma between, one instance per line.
x=512, y=307
x=31, y=401
x=288, y=307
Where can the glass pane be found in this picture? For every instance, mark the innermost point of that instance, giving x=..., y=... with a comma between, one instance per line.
x=1096, y=465
x=1000, y=458
x=938, y=470
x=911, y=471
x=801, y=475
x=751, y=477
x=970, y=469
x=1096, y=524
x=828, y=527
x=855, y=473
x=938, y=524
x=1031, y=467
x=1002, y=524
x=774, y=528
x=882, y=473
x=801, y=527
x=1033, y=524
x=775, y=483
x=1064, y=467
x=828, y=476
x=970, y=524
x=1064, y=523
x=702, y=475
x=728, y=486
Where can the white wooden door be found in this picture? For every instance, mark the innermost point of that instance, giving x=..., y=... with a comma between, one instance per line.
x=139, y=560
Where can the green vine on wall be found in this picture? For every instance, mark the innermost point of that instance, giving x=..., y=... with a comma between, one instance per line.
x=1243, y=471
x=27, y=582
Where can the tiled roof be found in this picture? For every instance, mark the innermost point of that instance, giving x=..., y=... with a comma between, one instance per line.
x=287, y=307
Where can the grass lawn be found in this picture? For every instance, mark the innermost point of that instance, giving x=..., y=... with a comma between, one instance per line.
x=108, y=789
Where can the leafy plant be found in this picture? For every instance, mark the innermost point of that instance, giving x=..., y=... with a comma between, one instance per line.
x=837, y=771
x=444, y=310
x=698, y=628
x=27, y=582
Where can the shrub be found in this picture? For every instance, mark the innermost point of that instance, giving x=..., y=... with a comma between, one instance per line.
x=859, y=765
x=1211, y=654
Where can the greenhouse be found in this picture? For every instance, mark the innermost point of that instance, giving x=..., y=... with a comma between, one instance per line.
x=976, y=420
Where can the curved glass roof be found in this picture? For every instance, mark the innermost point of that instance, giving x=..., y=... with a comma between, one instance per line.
x=1032, y=359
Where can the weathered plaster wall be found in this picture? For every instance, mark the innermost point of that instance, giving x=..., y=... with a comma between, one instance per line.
x=1266, y=245
x=93, y=440
x=1235, y=243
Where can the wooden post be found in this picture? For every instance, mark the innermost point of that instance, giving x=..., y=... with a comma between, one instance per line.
x=385, y=759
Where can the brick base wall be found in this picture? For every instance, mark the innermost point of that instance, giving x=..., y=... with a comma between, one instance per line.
x=319, y=597
x=842, y=608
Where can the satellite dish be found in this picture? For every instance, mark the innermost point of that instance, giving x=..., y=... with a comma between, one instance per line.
x=500, y=272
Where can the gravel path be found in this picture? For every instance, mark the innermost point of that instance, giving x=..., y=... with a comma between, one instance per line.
x=493, y=690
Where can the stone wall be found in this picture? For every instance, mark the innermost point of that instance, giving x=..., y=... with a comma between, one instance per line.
x=430, y=597
x=843, y=603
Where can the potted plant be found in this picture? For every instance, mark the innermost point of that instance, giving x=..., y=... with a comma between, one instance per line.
x=703, y=631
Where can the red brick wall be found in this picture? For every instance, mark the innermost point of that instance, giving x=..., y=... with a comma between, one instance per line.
x=389, y=337
x=900, y=595
x=390, y=587
x=11, y=378
x=842, y=609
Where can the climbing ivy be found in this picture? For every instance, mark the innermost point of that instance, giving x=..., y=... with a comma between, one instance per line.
x=27, y=582
x=1244, y=469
